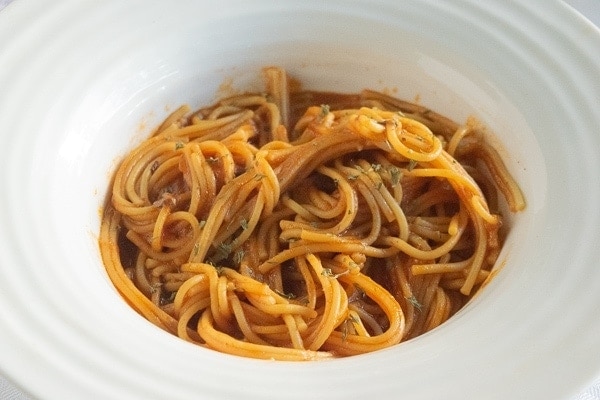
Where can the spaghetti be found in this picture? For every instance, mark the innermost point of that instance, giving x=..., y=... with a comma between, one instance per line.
x=268, y=227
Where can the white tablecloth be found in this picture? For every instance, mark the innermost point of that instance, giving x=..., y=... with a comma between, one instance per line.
x=589, y=8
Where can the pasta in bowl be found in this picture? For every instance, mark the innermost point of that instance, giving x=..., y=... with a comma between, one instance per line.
x=78, y=97
x=270, y=227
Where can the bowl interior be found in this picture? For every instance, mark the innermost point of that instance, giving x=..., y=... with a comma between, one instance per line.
x=199, y=62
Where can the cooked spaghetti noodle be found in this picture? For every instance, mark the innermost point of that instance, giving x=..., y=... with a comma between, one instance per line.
x=305, y=225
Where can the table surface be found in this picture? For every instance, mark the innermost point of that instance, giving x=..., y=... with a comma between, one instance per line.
x=589, y=8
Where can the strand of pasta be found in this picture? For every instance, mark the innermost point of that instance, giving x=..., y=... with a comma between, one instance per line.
x=227, y=344
x=136, y=299
x=335, y=305
x=356, y=344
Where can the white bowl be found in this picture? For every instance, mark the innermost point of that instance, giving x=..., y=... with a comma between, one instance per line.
x=84, y=82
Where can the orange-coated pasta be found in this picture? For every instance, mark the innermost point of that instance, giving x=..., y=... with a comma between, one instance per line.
x=304, y=225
